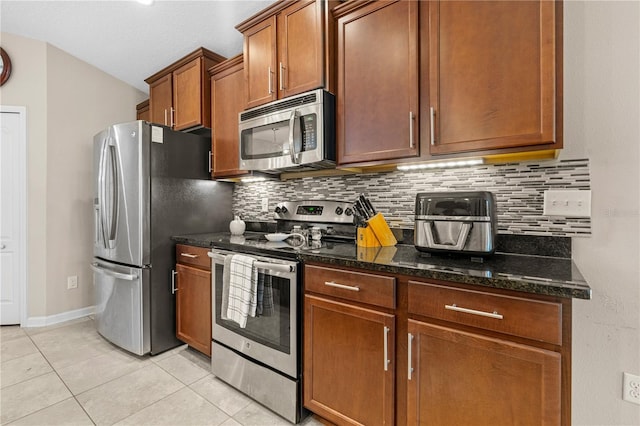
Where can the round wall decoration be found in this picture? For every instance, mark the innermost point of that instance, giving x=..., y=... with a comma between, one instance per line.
x=5, y=66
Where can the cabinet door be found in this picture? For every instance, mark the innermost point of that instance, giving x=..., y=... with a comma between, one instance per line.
x=378, y=82
x=349, y=376
x=161, y=100
x=187, y=95
x=142, y=111
x=260, y=63
x=228, y=101
x=300, y=55
x=193, y=307
x=463, y=378
x=492, y=74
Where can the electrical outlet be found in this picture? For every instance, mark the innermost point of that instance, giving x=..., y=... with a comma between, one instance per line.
x=265, y=204
x=72, y=282
x=567, y=203
x=631, y=388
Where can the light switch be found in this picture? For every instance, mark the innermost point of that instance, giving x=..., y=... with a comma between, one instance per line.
x=567, y=203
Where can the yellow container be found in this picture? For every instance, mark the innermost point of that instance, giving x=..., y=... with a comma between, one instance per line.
x=366, y=238
x=381, y=230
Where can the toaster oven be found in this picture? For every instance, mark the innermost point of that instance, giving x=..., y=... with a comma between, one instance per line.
x=456, y=222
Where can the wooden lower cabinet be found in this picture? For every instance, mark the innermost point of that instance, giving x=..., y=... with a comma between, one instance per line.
x=457, y=354
x=348, y=363
x=462, y=378
x=193, y=298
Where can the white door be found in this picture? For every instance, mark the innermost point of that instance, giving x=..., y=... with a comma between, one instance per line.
x=12, y=213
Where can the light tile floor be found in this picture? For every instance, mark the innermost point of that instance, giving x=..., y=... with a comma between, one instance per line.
x=68, y=374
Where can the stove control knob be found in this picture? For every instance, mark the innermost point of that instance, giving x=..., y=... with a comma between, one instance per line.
x=339, y=210
x=348, y=211
x=278, y=210
x=284, y=210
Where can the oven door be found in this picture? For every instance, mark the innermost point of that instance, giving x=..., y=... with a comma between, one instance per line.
x=271, y=336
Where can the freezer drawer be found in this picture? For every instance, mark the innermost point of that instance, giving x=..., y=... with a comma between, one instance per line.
x=122, y=305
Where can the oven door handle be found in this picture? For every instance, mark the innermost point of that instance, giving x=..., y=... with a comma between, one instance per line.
x=276, y=267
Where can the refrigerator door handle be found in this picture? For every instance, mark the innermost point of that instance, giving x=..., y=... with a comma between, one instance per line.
x=102, y=193
x=129, y=277
x=113, y=193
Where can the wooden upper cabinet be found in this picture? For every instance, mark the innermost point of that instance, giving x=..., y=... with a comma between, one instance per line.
x=377, y=96
x=284, y=50
x=161, y=100
x=227, y=101
x=260, y=62
x=142, y=111
x=300, y=48
x=188, y=83
x=492, y=75
x=180, y=94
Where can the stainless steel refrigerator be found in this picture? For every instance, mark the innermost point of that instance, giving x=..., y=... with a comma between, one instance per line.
x=150, y=183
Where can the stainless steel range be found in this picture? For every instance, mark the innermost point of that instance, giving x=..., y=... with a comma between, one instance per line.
x=263, y=358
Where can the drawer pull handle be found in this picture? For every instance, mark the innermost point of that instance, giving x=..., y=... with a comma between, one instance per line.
x=342, y=286
x=456, y=308
x=192, y=256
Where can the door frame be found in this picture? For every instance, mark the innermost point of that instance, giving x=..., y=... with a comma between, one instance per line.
x=21, y=163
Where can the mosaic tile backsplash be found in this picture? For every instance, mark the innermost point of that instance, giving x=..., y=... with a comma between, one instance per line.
x=518, y=187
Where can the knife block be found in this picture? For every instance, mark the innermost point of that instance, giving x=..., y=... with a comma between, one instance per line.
x=377, y=233
x=366, y=238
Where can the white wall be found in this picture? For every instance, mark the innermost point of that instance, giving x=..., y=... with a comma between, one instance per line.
x=602, y=123
x=67, y=101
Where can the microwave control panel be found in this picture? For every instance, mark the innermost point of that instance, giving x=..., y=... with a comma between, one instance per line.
x=309, y=132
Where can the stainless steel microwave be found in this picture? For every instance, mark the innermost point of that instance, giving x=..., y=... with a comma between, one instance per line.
x=296, y=133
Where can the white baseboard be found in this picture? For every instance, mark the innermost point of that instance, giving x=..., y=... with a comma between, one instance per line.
x=58, y=318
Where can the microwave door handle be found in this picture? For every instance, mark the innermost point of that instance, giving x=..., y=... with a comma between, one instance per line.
x=292, y=151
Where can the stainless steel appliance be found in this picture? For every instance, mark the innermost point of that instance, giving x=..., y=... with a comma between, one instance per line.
x=150, y=183
x=296, y=133
x=463, y=222
x=264, y=359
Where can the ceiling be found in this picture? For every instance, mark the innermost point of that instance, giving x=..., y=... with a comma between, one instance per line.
x=128, y=40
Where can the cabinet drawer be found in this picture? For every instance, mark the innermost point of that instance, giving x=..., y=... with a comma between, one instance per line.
x=191, y=255
x=532, y=319
x=366, y=288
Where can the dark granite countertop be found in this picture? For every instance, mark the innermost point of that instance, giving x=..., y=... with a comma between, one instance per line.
x=554, y=276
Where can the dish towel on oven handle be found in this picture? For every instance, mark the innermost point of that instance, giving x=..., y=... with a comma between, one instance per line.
x=242, y=289
x=265, y=295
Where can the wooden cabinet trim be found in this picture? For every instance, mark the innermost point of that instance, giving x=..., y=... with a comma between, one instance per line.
x=266, y=13
x=226, y=67
x=528, y=318
x=198, y=53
